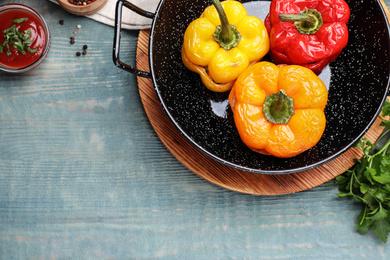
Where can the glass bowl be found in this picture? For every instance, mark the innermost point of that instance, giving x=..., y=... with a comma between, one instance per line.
x=13, y=60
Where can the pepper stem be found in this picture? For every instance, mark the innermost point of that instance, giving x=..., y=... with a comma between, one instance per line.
x=278, y=108
x=308, y=21
x=226, y=34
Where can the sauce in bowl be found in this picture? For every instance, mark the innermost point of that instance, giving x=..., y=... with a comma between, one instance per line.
x=24, y=38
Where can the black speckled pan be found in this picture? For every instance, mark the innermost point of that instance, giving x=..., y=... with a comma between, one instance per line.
x=358, y=83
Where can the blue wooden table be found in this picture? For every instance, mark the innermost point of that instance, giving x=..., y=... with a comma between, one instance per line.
x=83, y=175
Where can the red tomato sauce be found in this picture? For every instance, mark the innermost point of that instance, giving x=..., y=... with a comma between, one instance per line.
x=38, y=35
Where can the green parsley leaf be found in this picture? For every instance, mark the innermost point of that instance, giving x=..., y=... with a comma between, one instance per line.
x=31, y=50
x=383, y=179
x=381, y=224
x=382, y=228
x=364, y=225
x=386, y=109
x=364, y=188
x=10, y=29
x=8, y=51
x=20, y=20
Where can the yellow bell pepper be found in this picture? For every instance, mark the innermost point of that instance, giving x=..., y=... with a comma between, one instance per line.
x=222, y=43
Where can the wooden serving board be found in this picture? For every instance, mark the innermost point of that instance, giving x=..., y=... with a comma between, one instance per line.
x=220, y=174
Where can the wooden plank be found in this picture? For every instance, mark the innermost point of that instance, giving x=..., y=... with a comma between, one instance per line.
x=83, y=174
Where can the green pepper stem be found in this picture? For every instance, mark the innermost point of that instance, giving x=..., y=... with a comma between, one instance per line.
x=294, y=17
x=225, y=30
x=226, y=34
x=308, y=21
x=278, y=108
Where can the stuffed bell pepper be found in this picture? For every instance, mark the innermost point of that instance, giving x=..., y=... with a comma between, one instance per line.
x=279, y=110
x=222, y=43
x=310, y=33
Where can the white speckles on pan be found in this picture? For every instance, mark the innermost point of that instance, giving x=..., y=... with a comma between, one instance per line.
x=357, y=80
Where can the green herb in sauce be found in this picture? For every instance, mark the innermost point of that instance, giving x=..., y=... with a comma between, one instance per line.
x=17, y=38
x=20, y=20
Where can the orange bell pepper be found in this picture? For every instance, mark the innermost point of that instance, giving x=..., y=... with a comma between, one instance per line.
x=279, y=110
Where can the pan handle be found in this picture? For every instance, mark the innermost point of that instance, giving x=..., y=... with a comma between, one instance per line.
x=117, y=36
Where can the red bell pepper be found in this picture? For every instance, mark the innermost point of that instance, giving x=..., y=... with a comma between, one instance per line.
x=310, y=33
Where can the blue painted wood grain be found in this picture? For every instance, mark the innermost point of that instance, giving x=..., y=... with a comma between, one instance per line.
x=84, y=176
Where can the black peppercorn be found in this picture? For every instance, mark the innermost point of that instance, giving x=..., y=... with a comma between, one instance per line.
x=71, y=40
x=61, y=22
x=84, y=52
x=85, y=47
x=78, y=53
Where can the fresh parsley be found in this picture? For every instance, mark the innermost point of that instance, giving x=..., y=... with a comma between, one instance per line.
x=368, y=182
x=18, y=39
x=20, y=20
